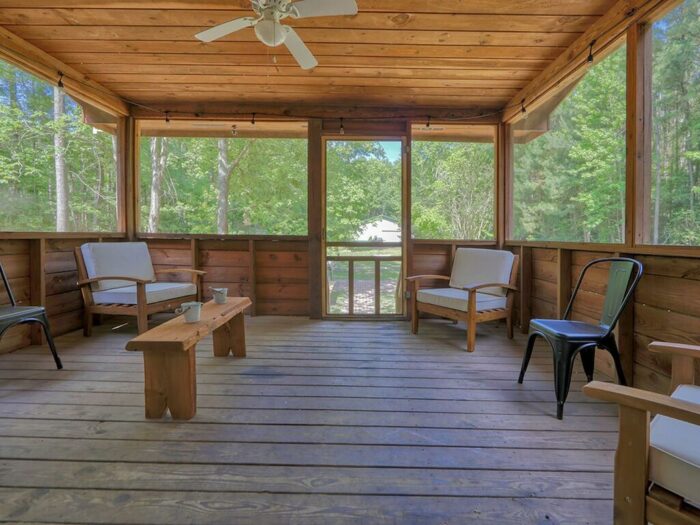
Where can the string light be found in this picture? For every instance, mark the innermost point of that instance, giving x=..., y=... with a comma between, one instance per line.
x=167, y=117
x=589, y=60
x=252, y=121
x=523, y=110
x=234, y=131
x=342, y=128
x=59, y=84
x=427, y=125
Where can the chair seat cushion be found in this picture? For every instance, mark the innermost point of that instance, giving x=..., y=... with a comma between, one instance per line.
x=122, y=259
x=455, y=299
x=674, y=452
x=155, y=293
x=570, y=330
x=479, y=266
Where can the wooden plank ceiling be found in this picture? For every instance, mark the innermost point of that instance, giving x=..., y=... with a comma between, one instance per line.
x=394, y=53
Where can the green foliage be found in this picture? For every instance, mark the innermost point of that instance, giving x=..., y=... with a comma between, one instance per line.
x=267, y=192
x=452, y=190
x=362, y=186
x=569, y=183
x=674, y=205
x=27, y=170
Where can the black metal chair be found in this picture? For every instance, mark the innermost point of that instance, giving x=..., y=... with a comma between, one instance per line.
x=569, y=338
x=14, y=315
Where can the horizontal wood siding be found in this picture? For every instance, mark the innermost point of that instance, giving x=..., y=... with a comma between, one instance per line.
x=666, y=306
x=64, y=304
x=282, y=282
x=14, y=257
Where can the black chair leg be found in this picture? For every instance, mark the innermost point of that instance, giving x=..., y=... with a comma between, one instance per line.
x=611, y=347
x=588, y=360
x=44, y=322
x=563, y=362
x=527, y=356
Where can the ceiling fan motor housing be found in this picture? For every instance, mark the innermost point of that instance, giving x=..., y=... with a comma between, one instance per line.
x=268, y=29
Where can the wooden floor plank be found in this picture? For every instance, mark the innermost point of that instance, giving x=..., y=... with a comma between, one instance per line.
x=323, y=422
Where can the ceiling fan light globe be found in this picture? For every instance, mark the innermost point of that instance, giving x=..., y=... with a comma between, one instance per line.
x=270, y=33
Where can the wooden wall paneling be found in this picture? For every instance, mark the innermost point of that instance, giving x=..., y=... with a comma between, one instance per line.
x=64, y=304
x=14, y=256
x=316, y=273
x=282, y=293
x=563, y=280
x=228, y=264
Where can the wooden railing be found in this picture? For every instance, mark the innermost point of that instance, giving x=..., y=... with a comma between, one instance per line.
x=377, y=261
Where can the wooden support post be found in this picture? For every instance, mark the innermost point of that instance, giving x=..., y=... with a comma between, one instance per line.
x=631, y=459
x=170, y=382
x=500, y=200
x=127, y=194
x=195, y=263
x=624, y=334
x=525, y=288
x=315, y=219
x=251, y=275
x=563, y=280
x=638, y=179
x=37, y=281
x=407, y=225
x=229, y=338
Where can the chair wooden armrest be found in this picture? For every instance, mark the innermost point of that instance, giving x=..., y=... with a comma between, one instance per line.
x=682, y=365
x=644, y=400
x=86, y=282
x=426, y=277
x=181, y=270
x=473, y=287
x=676, y=349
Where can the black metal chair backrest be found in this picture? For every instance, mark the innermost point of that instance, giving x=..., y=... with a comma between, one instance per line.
x=624, y=275
x=7, y=286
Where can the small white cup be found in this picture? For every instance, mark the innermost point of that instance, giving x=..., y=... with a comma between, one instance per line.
x=192, y=311
x=220, y=295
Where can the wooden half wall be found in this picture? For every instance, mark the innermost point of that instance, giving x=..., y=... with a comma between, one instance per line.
x=275, y=274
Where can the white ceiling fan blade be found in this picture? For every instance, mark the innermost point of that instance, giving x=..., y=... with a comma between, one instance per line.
x=298, y=49
x=308, y=8
x=226, y=28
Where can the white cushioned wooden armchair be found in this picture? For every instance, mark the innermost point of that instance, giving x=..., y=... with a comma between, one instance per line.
x=118, y=278
x=657, y=465
x=480, y=289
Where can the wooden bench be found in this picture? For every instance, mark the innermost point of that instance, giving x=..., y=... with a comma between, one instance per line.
x=169, y=355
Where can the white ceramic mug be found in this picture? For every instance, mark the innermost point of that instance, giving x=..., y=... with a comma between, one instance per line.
x=192, y=311
x=220, y=295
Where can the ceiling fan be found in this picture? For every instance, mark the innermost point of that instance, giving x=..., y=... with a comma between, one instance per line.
x=272, y=33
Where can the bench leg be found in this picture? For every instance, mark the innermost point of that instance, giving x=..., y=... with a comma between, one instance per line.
x=170, y=382
x=230, y=338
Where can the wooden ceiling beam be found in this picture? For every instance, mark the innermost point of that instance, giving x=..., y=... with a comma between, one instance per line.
x=211, y=110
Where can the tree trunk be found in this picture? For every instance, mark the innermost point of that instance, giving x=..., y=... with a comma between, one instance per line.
x=225, y=169
x=60, y=161
x=159, y=159
x=222, y=188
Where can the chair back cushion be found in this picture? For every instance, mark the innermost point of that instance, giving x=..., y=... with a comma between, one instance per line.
x=123, y=259
x=474, y=266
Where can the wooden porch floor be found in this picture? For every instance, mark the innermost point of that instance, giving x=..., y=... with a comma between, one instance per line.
x=323, y=423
